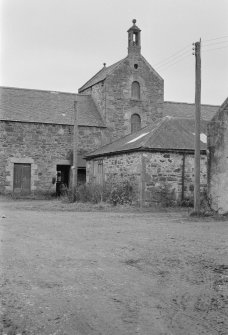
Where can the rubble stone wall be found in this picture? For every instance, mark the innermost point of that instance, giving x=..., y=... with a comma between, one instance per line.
x=156, y=174
x=43, y=146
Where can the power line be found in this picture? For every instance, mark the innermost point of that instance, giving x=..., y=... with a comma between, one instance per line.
x=178, y=61
x=215, y=48
x=183, y=52
x=216, y=38
x=171, y=56
x=174, y=59
x=211, y=44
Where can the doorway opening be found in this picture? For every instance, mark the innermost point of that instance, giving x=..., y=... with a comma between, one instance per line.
x=81, y=175
x=22, y=178
x=62, y=180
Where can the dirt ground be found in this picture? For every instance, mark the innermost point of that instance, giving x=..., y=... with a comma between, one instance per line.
x=112, y=273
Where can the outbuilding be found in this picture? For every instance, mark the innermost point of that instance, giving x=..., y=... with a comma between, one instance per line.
x=158, y=159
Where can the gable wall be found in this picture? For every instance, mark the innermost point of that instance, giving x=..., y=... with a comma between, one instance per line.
x=218, y=161
x=113, y=96
x=119, y=104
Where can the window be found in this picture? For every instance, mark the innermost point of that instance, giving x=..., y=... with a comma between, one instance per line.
x=22, y=178
x=135, y=123
x=135, y=90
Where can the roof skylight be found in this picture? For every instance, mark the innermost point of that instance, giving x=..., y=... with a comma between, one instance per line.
x=203, y=137
x=138, y=137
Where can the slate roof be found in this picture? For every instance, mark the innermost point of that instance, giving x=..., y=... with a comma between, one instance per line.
x=100, y=76
x=167, y=134
x=187, y=110
x=26, y=105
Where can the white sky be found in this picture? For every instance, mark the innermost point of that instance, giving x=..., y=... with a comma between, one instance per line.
x=58, y=45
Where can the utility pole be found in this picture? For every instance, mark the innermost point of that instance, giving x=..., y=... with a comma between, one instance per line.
x=197, y=125
x=75, y=151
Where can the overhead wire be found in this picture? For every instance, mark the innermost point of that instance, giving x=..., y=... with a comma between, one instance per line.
x=174, y=59
x=173, y=55
x=211, y=44
x=175, y=62
x=183, y=53
x=205, y=50
x=216, y=38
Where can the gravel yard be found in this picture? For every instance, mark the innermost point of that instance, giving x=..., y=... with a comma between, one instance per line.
x=66, y=272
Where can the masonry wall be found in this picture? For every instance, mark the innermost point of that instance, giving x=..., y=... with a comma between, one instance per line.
x=43, y=146
x=116, y=167
x=113, y=96
x=218, y=161
x=171, y=173
x=156, y=175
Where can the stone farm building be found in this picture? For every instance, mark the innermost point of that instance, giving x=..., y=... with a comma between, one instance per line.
x=37, y=126
x=158, y=158
x=218, y=159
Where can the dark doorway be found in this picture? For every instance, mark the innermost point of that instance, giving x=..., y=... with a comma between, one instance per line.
x=22, y=178
x=62, y=181
x=81, y=176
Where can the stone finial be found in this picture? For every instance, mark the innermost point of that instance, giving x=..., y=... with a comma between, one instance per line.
x=104, y=64
x=134, y=21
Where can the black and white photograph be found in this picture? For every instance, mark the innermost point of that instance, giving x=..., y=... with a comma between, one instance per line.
x=113, y=167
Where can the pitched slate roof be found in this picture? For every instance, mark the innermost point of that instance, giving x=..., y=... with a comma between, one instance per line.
x=28, y=105
x=187, y=110
x=100, y=76
x=167, y=134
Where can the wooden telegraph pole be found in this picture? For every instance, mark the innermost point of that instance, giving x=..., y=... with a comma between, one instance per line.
x=197, y=126
x=75, y=152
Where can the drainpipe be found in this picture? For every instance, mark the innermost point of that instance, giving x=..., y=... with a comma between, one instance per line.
x=182, y=178
x=142, y=182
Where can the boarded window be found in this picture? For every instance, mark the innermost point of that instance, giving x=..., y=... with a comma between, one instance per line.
x=135, y=123
x=22, y=178
x=135, y=90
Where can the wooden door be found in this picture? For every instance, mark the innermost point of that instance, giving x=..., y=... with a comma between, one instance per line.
x=22, y=178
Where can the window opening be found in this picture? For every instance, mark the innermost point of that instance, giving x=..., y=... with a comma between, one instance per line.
x=135, y=123
x=135, y=90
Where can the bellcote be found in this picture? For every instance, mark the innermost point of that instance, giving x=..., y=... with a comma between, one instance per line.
x=134, y=39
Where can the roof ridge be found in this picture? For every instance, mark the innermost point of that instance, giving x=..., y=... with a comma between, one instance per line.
x=189, y=103
x=37, y=90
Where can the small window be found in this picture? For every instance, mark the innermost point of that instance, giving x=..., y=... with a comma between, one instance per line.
x=135, y=123
x=135, y=90
x=136, y=66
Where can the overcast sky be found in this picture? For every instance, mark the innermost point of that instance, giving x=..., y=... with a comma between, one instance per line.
x=59, y=45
